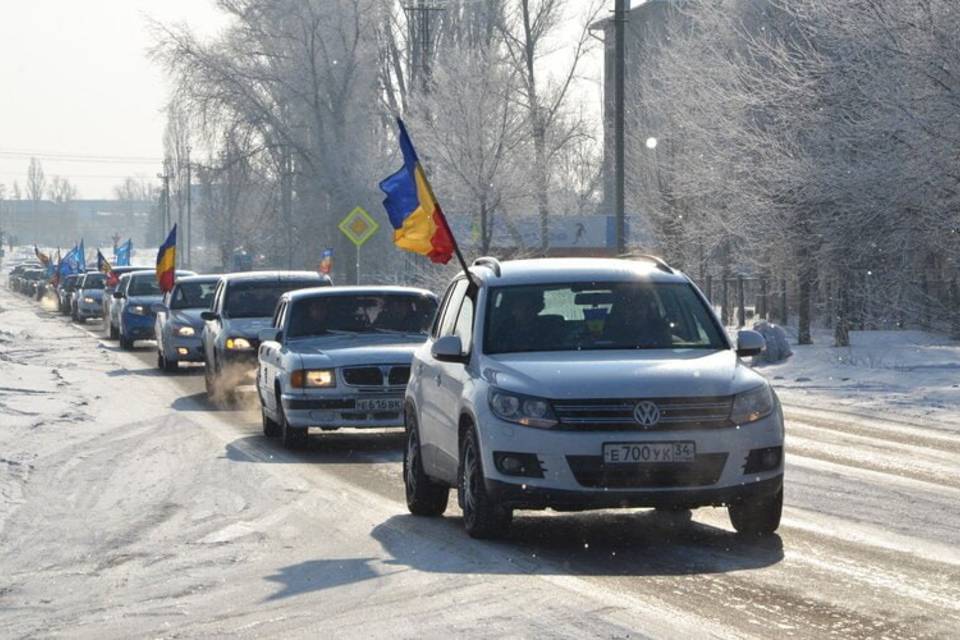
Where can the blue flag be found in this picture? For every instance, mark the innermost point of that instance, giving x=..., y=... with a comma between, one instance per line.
x=82, y=257
x=122, y=254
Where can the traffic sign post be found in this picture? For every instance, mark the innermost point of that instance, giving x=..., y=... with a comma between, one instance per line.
x=359, y=227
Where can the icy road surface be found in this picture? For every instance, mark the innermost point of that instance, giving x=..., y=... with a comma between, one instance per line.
x=129, y=507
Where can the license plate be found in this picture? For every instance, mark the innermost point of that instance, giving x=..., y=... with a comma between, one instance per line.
x=648, y=452
x=379, y=404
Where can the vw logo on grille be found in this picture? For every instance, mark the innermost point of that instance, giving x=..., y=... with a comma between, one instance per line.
x=646, y=413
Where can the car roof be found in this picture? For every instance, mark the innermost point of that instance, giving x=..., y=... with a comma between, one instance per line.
x=313, y=292
x=206, y=277
x=128, y=268
x=560, y=270
x=144, y=272
x=264, y=276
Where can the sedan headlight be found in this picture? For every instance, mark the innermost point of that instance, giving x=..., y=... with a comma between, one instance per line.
x=752, y=405
x=184, y=332
x=238, y=344
x=521, y=409
x=137, y=309
x=88, y=299
x=313, y=378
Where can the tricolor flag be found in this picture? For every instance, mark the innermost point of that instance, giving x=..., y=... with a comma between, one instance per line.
x=103, y=265
x=418, y=222
x=167, y=261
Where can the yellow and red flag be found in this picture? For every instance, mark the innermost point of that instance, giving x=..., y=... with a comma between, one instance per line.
x=418, y=222
x=167, y=261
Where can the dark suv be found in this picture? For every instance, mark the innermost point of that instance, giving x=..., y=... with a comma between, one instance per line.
x=243, y=304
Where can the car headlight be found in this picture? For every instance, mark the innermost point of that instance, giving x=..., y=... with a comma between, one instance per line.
x=137, y=309
x=185, y=332
x=752, y=405
x=521, y=409
x=313, y=378
x=88, y=299
x=238, y=344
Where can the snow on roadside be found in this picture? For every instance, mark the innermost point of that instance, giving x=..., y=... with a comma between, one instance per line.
x=909, y=374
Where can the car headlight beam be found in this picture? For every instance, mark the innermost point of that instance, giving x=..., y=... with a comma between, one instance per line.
x=238, y=344
x=752, y=405
x=313, y=379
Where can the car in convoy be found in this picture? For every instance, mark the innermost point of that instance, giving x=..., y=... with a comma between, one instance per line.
x=137, y=292
x=87, y=297
x=108, y=311
x=68, y=284
x=243, y=304
x=339, y=357
x=579, y=384
x=178, y=324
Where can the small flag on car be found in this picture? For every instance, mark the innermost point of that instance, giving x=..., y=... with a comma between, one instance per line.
x=167, y=261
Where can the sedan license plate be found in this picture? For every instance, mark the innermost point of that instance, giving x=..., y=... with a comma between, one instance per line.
x=648, y=452
x=379, y=404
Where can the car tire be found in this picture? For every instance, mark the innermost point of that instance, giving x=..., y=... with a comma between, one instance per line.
x=125, y=343
x=165, y=365
x=424, y=496
x=114, y=332
x=208, y=381
x=271, y=428
x=483, y=518
x=757, y=516
x=74, y=316
x=292, y=437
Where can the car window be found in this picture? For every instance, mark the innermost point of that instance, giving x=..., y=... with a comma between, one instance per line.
x=365, y=313
x=279, y=316
x=593, y=316
x=258, y=299
x=145, y=285
x=452, y=307
x=463, y=328
x=94, y=281
x=193, y=295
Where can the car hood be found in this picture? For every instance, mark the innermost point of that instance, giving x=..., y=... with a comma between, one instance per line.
x=246, y=327
x=341, y=351
x=188, y=318
x=144, y=300
x=656, y=373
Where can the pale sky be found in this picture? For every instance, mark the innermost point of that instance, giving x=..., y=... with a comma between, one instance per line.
x=75, y=81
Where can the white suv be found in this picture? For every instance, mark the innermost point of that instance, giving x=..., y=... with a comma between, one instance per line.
x=584, y=384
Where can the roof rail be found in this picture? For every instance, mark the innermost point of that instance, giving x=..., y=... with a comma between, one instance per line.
x=490, y=262
x=659, y=262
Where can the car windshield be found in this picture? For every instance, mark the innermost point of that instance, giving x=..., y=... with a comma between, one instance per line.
x=94, y=281
x=594, y=316
x=377, y=313
x=193, y=295
x=70, y=283
x=144, y=286
x=259, y=299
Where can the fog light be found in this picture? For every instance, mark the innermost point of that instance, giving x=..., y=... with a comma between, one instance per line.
x=766, y=459
x=183, y=351
x=518, y=464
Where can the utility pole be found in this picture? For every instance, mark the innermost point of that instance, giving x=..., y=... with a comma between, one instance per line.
x=286, y=199
x=165, y=200
x=620, y=59
x=188, y=254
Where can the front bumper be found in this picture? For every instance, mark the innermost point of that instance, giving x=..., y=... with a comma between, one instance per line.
x=89, y=309
x=524, y=496
x=138, y=327
x=574, y=475
x=174, y=349
x=337, y=408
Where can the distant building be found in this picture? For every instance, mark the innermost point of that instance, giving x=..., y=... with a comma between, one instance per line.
x=54, y=224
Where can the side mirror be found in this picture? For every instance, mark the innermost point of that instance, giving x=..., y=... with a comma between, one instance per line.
x=270, y=335
x=158, y=307
x=209, y=316
x=118, y=295
x=448, y=349
x=749, y=343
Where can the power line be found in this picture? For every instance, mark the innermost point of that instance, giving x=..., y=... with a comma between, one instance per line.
x=77, y=157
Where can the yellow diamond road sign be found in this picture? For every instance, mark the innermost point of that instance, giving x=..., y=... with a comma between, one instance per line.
x=358, y=226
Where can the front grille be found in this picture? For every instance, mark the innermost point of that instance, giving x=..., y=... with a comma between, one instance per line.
x=591, y=472
x=399, y=375
x=363, y=376
x=377, y=376
x=676, y=414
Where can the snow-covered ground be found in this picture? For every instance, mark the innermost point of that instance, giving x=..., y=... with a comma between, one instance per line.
x=129, y=507
x=911, y=374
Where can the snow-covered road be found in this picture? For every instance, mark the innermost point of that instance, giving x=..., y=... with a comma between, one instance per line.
x=130, y=507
